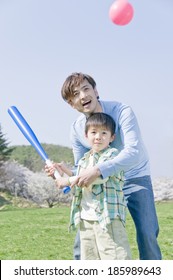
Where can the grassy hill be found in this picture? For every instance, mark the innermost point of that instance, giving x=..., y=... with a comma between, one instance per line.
x=27, y=156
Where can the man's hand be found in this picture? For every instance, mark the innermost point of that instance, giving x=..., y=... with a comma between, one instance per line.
x=87, y=177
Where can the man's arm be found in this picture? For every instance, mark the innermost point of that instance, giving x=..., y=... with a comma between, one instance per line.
x=133, y=155
x=88, y=177
x=92, y=175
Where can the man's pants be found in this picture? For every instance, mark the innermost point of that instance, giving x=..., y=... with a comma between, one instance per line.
x=140, y=202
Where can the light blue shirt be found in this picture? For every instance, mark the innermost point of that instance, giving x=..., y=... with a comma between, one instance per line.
x=132, y=157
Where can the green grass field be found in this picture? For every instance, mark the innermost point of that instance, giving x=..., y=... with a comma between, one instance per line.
x=42, y=233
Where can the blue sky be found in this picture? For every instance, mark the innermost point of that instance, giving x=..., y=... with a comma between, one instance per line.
x=43, y=41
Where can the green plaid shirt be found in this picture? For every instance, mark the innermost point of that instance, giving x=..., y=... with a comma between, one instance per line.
x=107, y=193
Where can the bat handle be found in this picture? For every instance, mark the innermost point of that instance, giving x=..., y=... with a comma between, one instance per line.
x=66, y=189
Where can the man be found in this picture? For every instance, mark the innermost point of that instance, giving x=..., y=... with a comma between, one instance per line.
x=80, y=92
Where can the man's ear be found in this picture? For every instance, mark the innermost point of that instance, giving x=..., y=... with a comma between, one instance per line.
x=96, y=93
x=70, y=103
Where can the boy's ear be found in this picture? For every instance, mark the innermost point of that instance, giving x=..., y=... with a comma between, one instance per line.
x=113, y=138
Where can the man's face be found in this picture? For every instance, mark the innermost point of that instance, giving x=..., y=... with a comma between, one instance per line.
x=85, y=99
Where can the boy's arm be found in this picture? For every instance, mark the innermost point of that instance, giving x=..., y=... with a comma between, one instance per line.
x=64, y=181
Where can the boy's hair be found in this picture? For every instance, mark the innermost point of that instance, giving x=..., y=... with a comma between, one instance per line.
x=100, y=120
x=72, y=81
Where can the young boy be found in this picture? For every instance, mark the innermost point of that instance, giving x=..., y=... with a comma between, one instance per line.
x=99, y=209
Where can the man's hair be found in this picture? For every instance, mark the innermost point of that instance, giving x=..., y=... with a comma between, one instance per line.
x=100, y=120
x=72, y=81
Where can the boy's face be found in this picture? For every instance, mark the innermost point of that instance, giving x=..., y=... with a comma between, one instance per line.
x=99, y=138
x=85, y=99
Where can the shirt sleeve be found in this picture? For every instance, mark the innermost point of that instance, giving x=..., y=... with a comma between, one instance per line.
x=132, y=151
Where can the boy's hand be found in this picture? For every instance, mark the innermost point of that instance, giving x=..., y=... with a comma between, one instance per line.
x=62, y=182
x=50, y=170
x=63, y=168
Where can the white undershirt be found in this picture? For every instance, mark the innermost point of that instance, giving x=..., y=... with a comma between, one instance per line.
x=88, y=207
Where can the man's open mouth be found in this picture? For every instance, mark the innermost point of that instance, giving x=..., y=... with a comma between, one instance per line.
x=86, y=103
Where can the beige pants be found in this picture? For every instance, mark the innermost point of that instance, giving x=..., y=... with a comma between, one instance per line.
x=99, y=245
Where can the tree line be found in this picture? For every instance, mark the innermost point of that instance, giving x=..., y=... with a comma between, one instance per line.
x=22, y=172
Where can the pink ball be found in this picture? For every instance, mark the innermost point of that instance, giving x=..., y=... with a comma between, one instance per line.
x=121, y=12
